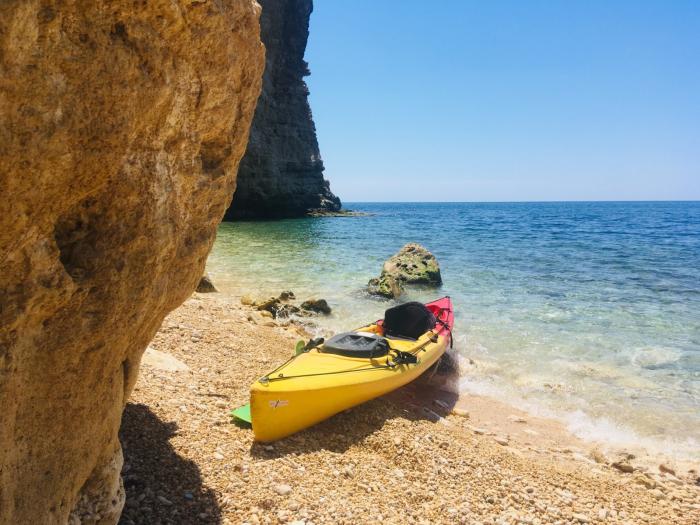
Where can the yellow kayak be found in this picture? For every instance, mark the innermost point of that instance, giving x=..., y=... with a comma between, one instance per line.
x=348, y=370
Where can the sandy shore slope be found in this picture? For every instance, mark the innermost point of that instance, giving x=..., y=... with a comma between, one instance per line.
x=404, y=458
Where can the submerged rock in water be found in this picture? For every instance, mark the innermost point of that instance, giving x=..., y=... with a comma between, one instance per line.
x=413, y=264
x=286, y=310
x=281, y=307
x=386, y=286
x=205, y=285
x=316, y=305
x=269, y=304
x=278, y=306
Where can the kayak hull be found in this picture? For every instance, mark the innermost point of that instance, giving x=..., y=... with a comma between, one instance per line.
x=315, y=385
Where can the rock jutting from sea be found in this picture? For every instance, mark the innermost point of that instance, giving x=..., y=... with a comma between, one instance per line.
x=413, y=264
x=121, y=130
x=281, y=174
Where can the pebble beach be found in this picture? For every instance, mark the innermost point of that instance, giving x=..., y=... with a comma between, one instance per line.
x=419, y=455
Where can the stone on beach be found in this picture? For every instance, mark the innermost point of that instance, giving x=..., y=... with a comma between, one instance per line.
x=270, y=304
x=460, y=412
x=163, y=361
x=282, y=489
x=206, y=285
x=666, y=469
x=283, y=307
x=623, y=466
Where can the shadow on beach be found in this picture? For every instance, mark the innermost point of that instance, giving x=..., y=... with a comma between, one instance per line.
x=161, y=486
x=413, y=402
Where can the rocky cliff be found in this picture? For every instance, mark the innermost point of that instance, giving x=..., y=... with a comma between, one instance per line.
x=281, y=174
x=121, y=128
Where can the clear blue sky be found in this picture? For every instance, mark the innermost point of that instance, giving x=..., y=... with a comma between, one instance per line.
x=507, y=100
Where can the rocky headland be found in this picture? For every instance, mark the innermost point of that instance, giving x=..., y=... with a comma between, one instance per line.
x=281, y=174
x=121, y=129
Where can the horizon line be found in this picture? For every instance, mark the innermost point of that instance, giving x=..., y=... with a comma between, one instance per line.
x=520, y=201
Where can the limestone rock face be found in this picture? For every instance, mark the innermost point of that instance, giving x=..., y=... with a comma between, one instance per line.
x=281, y=174
x=413, y=264
x=121, y=128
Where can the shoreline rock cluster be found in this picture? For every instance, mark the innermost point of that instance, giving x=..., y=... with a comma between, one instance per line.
x=282, y=306
x=412, y=265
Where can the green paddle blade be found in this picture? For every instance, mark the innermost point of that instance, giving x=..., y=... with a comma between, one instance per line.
x=299, y=348
x=242, y=414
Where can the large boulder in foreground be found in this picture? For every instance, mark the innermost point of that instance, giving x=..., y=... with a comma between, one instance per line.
x=121, y=128
x=413, y=264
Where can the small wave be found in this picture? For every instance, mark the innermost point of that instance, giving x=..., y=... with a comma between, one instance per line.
x=602, y=430
x=480, y=387
x=655, y=357
x=612, y=434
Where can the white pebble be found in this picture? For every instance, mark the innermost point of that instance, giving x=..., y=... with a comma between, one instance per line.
x=282, y=489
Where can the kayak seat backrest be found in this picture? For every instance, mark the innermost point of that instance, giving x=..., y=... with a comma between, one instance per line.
x=408, y=320
x=354, y=344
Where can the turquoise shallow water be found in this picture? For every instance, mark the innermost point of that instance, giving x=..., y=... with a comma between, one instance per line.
x=589, y=312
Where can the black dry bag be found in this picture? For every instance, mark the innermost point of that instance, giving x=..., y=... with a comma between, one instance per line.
x=408, y=320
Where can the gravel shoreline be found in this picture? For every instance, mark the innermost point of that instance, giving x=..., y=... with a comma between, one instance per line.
x=418, y=455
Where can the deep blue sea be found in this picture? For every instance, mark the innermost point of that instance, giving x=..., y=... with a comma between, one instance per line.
x=587, y=311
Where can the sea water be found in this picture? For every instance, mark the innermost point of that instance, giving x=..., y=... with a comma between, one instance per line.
x=589, y=312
